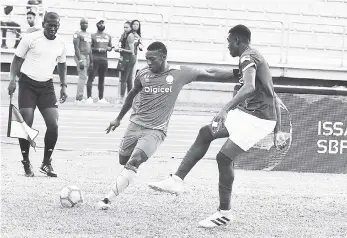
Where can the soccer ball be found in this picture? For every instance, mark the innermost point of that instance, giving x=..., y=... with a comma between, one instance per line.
x=71, y=196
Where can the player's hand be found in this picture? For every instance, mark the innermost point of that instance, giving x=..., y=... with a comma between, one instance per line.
x=113, y=125
x=117, y=49
x=81, y=65
x=12, y=87
x=63, y=94
x=280, y=140
x=219, y=120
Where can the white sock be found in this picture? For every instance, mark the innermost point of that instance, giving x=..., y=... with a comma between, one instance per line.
x=122, y=182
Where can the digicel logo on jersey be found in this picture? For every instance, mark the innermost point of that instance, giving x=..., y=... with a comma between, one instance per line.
x=156, y=90
x=329, y=129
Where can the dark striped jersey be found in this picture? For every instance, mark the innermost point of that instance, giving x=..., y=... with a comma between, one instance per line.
x=261, y=103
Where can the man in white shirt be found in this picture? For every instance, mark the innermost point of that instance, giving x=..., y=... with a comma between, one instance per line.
x=8, y=24
x=35, y=58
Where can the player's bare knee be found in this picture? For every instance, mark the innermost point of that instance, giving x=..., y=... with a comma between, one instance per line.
x=137, y=158
x=123, y=159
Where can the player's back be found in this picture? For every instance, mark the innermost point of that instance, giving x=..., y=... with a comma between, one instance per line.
x=261, y=102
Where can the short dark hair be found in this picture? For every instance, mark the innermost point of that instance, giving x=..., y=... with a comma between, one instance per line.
x=51, y=16
x=157, y=45
x=31, y=13
x=242, y=31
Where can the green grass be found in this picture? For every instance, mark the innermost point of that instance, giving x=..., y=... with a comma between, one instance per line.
x=265, y=204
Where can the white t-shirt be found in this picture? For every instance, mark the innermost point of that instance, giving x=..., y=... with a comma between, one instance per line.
x=40, y=55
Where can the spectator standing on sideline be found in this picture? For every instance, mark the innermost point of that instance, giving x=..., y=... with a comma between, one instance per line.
x=31, y=18
x=9, y=24
x=101, y=43
x=83, y=57
x=127, y=56
x=136, y=28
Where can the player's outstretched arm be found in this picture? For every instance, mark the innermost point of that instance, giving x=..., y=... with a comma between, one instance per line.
x=220, y=74
x=14, y=71
x=215, y=74
x=126, y=106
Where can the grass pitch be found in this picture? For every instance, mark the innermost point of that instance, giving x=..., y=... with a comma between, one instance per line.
x=265, y=204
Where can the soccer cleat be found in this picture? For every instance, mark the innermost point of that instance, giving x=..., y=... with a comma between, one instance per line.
x=28, y=168
x=173, y=184
x=46, y=168
x=103, y=101
x=219, y=218
x=89, y=100
x=103, y=204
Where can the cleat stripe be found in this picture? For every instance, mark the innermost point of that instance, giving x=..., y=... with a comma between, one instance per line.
x=220, y=220
x=215, y=222
x=225, y=218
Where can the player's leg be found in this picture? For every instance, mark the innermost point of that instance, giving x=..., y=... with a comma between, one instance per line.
x=145, y=148
x=27, y=104
x=101, y=84
x=91, y=77
x=225, y=159
x=47, y=104
x=174, y=184
x=126, y=148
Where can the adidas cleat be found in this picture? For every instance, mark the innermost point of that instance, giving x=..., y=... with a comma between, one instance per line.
x=219, y=218
x=46, y=168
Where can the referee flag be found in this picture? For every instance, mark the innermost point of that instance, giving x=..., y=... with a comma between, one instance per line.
x=17, y=128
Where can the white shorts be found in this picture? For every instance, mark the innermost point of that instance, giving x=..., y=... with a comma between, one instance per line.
x=246, y=130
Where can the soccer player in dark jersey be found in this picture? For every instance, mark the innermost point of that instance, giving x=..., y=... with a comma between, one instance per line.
x=101, y=43
x=152, y=99
x=251, y=115
x=35, y=58
x=83, y=56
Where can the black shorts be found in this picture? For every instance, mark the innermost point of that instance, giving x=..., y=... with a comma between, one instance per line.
x=33, y=93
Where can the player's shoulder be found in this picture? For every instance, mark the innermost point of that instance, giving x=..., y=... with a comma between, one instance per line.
x=143, y=71
x=251, y=54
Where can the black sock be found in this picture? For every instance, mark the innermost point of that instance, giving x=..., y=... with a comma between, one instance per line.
x=24, y=147
x=50, y=141
x=226, y=179
x=196, y=152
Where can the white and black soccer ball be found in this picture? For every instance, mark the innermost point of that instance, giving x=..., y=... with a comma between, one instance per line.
x=71, y=196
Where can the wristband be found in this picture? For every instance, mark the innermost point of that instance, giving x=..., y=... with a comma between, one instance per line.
x=63, y=84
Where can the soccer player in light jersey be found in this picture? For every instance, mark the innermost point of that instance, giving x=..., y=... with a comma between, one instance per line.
x=251, y=115
x=152, y=98
x=35, y=58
